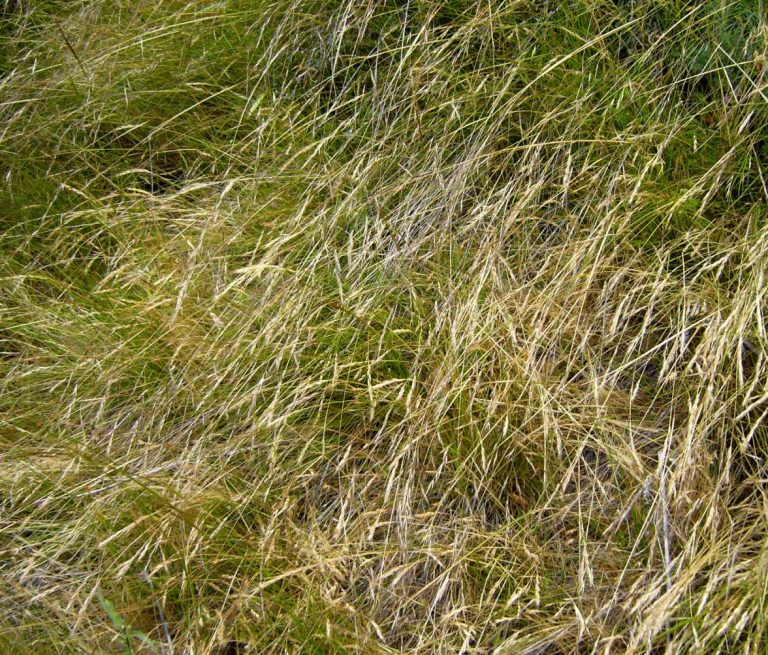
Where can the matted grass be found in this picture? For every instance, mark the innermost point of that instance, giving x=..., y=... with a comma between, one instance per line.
x=383, y=327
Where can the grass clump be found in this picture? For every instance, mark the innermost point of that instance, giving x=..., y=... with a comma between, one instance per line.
x=383, y=327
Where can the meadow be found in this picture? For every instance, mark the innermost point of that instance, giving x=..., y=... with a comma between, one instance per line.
x=383, y=326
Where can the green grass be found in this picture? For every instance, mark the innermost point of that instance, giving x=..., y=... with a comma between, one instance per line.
x=433, y=326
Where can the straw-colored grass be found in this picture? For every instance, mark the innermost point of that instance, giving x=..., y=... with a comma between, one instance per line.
x=360, y=326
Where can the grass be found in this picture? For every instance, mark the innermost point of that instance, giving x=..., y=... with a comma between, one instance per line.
x=383, y=327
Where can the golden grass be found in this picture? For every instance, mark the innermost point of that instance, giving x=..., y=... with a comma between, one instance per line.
x=383, y=327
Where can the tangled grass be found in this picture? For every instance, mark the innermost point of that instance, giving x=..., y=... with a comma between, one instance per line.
x=383, y=326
